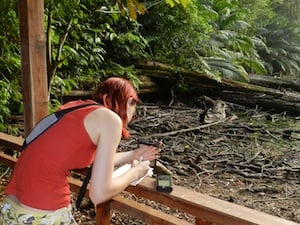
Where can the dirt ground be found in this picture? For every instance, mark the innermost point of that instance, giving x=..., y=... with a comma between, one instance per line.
x=241, y=155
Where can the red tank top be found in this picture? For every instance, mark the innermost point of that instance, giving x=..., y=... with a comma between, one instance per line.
x=39, y=178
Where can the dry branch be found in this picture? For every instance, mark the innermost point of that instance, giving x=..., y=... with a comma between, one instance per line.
x=224, y=146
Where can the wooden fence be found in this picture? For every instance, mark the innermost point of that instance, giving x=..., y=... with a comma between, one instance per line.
x=202, y=209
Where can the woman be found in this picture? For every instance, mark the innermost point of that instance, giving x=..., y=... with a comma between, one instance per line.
x=38, y=192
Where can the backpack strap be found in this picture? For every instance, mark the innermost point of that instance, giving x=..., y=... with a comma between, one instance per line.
x=83, y=188
x=61, y=113
x=49, y=121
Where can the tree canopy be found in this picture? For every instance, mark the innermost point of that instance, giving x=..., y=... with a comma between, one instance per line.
x=91, y=40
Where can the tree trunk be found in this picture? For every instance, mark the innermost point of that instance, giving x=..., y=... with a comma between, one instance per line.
x=275, y=82
x=165, y=78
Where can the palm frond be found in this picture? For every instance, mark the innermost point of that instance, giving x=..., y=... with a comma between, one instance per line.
x=228, y=69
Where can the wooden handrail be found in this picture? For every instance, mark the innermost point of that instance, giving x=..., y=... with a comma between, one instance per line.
x=206, y=210
x=11, y=142
x=204, y=207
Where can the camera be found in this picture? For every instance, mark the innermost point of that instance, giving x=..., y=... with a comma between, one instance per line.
x=145, y=141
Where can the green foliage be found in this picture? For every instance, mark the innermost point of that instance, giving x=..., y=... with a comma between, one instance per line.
x=128, y=41
x=10, y=61
x=172, y=3
x=134, y=7
x=62, y=87
x=281, y=48
x=288, y=9
x=260, y=12
x=10, y=101
x=175, y=34
x=205, y=33
x=227, y=69
x=118, y=70
x=92, y=40
x=76, y=37
x=230, y=43
x=4, y=102
x=96, y=35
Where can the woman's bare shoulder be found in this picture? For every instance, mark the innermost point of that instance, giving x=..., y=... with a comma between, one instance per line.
x=105, y=113
x=103, y=117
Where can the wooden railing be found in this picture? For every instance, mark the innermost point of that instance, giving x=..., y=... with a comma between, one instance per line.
x=203, y=209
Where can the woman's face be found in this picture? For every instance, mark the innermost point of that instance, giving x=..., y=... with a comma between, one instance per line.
x=131, y=107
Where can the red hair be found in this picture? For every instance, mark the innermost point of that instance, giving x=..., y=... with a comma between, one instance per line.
x=113, y=93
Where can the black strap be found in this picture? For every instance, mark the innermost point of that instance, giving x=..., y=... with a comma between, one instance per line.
x=62, y=112
x=89, y=170
x=87, y=178
x=83, y=188
x=49, y=121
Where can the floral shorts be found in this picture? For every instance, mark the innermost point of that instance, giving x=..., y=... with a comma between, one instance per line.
x=12, y=213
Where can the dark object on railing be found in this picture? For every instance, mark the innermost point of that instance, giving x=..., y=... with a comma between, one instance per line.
x=145, y=141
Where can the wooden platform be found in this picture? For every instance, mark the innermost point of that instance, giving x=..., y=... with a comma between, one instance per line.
x=204, y=210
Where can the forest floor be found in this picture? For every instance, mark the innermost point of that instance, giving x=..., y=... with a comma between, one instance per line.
x=246, y=156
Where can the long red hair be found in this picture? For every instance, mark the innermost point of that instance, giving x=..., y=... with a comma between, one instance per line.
x=113, y=93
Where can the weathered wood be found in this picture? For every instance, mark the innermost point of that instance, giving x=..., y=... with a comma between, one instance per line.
x=33, y=59
x=202, y=222
x=166, y=77
x=10, y=141
x=275, y=82
x=8, y=160
x=207, y=210
x=205, y=207
x=144, y=213
x=103, y=216
x=270, y=102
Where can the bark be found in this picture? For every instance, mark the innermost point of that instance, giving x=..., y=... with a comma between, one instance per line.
x=281, y=96
x=275, y=82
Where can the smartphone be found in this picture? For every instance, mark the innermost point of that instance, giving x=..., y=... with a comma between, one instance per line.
x=164, y=183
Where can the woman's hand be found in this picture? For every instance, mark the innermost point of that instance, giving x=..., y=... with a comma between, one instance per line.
x=141, y=168
x=147, y=153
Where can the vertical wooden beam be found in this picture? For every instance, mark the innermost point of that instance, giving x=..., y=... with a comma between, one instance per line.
x=103, y=216
x=33, y=58
x=199, y=221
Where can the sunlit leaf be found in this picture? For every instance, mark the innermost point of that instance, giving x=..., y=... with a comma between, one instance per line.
x=185, y=3
x=170, y=2
x=140, y=7
x=131, y=9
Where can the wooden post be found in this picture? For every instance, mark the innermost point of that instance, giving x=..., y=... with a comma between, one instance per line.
x=33, y=58
x=103, y=214
x=199, y=221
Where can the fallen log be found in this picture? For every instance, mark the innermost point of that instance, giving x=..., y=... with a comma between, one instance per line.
x=275, y=82
x=166, y=77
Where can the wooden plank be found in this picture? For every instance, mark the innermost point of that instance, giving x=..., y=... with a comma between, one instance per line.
x=132, y=208
x=199, y=221
x=103, y=216
x=145, y=213
x=205, y=207
x=138, y=210
x=75, y=184
x=11, y=142
x=8, y=160
x=34, y=64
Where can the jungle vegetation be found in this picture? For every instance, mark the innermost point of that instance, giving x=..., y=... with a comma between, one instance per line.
x=88, y=40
